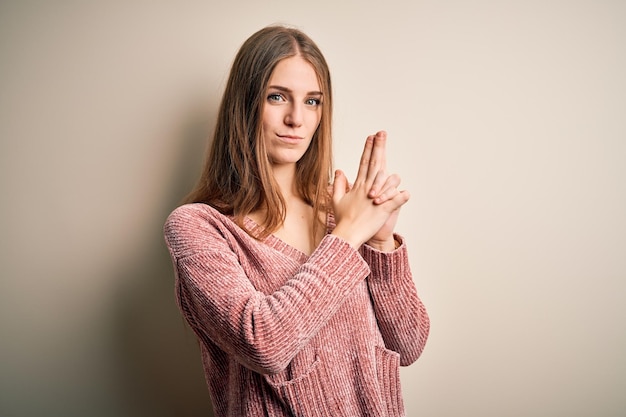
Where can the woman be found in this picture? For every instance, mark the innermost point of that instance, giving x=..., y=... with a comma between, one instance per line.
x=300, y=293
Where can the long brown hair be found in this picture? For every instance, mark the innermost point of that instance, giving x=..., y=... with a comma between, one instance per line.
x=237, y=177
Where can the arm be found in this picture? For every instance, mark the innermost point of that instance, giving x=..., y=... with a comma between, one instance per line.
x=401, y=316
x=264, y=332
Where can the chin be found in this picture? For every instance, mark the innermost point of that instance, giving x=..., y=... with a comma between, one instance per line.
x=286, y=158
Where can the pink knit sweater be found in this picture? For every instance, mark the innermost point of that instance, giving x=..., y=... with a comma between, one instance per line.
x=285, y=334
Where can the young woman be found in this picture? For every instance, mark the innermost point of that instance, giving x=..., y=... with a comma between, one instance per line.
x=299, y=292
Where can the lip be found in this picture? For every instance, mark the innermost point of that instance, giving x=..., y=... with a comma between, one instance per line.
x=290, y=138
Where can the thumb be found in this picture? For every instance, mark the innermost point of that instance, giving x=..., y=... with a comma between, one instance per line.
x=339, y=186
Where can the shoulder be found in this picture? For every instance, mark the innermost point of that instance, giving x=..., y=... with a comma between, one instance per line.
x=192, y=212
x=192, y=227
x=193, y=216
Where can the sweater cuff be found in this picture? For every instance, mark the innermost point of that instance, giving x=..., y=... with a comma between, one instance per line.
x=387, y=265
x=341, y=261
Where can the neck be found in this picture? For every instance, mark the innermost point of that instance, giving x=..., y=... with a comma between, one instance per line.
x=285, y=176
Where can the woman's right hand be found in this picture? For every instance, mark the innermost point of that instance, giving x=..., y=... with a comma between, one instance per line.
x=358, y=216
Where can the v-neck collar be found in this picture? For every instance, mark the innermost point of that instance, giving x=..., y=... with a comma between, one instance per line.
x=280, y=245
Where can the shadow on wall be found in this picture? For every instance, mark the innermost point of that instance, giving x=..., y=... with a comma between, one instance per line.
x=160, y=371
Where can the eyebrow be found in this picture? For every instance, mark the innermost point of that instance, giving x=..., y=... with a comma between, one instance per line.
x=287, y=90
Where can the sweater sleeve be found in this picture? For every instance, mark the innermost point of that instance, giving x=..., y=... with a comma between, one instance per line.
x=401, y=316
x=263, y=331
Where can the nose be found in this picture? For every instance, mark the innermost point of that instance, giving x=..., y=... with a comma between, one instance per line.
x=294, y=115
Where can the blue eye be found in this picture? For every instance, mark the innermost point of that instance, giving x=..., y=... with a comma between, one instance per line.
x=313, y=101
x=275, y=97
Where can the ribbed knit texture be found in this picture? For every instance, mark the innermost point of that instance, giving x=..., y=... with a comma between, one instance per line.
x=285, y=334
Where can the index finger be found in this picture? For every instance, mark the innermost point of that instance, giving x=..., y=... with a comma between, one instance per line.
x=378, y=159
x=365, y=159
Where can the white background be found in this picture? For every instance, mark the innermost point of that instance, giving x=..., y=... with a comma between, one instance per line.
x=506, y=120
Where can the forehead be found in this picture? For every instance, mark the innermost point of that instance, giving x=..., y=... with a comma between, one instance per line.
x=295, y=73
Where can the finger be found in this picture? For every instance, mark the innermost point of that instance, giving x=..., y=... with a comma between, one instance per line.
x=390, y=182
x=402, y=198
x=340, y=186
x=383, y=134
x=365, y=160
x=398, y=201
x=377, y=160
x=388, y=194
x=379, y=183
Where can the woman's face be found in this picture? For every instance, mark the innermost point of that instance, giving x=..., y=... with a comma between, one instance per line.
x=292, y=110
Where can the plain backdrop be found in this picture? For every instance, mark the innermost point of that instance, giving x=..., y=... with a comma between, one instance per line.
x=506, y=121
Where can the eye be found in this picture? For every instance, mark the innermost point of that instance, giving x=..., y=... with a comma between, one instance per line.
x=313, y=101
x=275, y=97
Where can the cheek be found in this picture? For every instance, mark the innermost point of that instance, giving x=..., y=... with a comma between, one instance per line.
x=271, y=116
x=267, y=117
x=316, y=118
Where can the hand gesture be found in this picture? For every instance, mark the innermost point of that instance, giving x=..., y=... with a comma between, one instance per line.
x=368, y=211
x=384, y=188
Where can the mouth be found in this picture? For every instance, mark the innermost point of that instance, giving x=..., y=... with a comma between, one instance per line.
x=290, y=138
